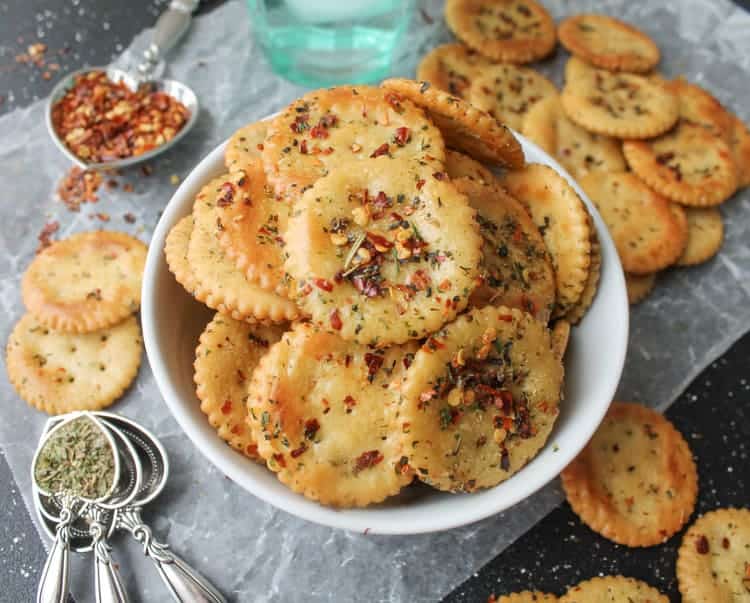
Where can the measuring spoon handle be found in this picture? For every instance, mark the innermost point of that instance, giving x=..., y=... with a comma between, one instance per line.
x=184, y=583
x=108, y=586
x=169, y=28
x=53, y=584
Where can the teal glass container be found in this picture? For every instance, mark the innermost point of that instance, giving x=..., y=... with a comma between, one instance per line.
x=321, y=43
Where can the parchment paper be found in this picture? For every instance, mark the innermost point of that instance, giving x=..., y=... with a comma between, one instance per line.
x=252, y=551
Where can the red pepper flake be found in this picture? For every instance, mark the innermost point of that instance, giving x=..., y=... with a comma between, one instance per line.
x=102, y=217
x=226, y=194
x=79, y=186
x=440, y=175
x=322, y=283
x=303, y=147
x=505, y=318
x=379, y=241
x=300, y=123
x=298, y=451
x=701, y=545
x=335, y=319
x=350, y=403
x=420, y=184
x=373, y=362
x=725, y=542
x=129, y=218
x=402, y=136
x=306, y=290
x=420, y=280
x=127, y=187
x=381, y=150
x=147, y=170
x=252, y=450
x=236, y=430
x=311, y=428
x=45, y=236
x=100, y=120
x=226, y=408
x=366, y=460
x=394, y=100
x=279, y=458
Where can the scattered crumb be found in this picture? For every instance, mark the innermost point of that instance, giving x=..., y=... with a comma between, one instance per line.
x=45, y=236
x=129, y=218
x=127, y=187
x=79, y=186
x=174, y=179
x=112, y=184
x=102, y=217
x=146, y=169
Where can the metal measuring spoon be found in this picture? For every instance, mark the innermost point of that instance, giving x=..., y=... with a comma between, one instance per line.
x=170, y=27
x=53, y=584
x=184, y=583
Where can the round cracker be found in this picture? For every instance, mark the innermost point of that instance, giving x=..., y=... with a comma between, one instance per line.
x=527, y=596
x=452, y=67
x=228, y=352
x=328, y=129
x=508, y=92
x=87, y=282
x=689, y=165
x=560, y=336
x=577, y=312
x=464, y=127
x=58, y=372
x=705, y=235
x=623, y=105
x=516, y=270
x=382, y=255
x=253, y=230
x=639, y=286
x=635, y=482
x=578, y=150
x=712, y=561
x=480, y=399
x=613, y=589
x=647, y=234
x=245, y=145
x=458, y=165
x=175, y=253
x=511, y=31
x=562, y=218
x=739, y=142
x=700, y=107
x=608, y=43
x=323, y=415
x=219, y=284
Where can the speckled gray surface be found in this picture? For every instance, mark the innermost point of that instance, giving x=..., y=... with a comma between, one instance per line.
x=692, y=318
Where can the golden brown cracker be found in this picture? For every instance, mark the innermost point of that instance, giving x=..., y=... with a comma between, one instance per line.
x=608, y=43
x=463, y=126
x=705, y=235
x=509, y=92
x=175, y=253
x=699, y=107
x=635, y=482
x=228, y=352
x=639, y=286
x=623, y=105
x=61, y=372
x=459, y=165
x=560, y=336
x=245, y=145
x=577, y=312
x=511, y=31
x=87, y=282
x=689, y=165
x=613, y=589
x=739, y=143
x=713, y=562
x=526, y=596
x=646, y=233
x=452, y=67
x=578, y=150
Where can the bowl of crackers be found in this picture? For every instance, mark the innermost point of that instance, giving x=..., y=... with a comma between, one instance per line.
x=384, y=311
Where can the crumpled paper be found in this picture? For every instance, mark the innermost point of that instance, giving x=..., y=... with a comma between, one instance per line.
x=248, y=548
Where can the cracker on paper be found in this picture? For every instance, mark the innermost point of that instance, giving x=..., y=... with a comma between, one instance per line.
x=452, y=67
x=613, y=589
x=705, y=235
x=60, y=372
x=639, y=286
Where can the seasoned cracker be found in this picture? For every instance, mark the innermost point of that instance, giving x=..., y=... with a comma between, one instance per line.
x=61, y=372
x=562, y=218
x=700, y=107
x=713, y=562
x=635, y=482
x=578, y=150
x=464, y=127
x=527, y=596
x=383, y=254
x=219, y=284
x=577, y=312
x=459, y=165
x=228, y=352
x=739, y=142
x=479, y=400
x=639, y=286
x=508, y=92
x=452, y=67
x=689, y=165
x=613, y=589
x=647, y=234
x=328, y=129
x=705, y=235
x=560, y=336
x=175, y=253
x=245, y=145
x=253, y=229
x=324, y=417
x=511, y=31
x=608, y=43
x=623, y=105
x=516, y=270
x=87, y=282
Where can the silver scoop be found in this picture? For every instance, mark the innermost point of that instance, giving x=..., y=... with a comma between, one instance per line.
x=170, y=27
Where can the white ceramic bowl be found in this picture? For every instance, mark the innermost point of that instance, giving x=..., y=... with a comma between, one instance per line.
x=173, y=320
